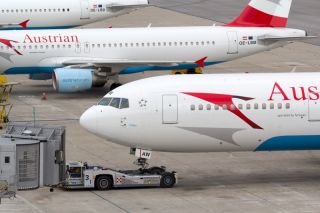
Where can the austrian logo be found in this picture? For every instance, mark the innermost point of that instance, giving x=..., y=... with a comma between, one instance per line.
x=35, y=39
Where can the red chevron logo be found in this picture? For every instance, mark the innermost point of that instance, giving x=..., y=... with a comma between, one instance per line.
x=222, y=99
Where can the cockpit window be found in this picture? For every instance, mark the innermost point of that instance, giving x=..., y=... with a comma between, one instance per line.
x=124, y=103
x=105, y=101
x=119, y=103
x=115, y=102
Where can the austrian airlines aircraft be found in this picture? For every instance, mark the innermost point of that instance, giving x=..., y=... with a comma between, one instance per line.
x=79, y=59
x=35, y=14
x=212, y=113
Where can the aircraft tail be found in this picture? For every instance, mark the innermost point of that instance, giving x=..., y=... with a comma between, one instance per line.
x=263, y=13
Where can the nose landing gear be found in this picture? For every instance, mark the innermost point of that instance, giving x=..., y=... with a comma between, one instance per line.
x=142, y=157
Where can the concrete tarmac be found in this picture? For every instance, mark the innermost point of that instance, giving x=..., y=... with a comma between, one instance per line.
x=303, y=15
x=279, y=182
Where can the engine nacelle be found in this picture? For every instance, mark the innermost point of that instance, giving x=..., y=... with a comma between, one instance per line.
x=40, y=76
x=75, y=80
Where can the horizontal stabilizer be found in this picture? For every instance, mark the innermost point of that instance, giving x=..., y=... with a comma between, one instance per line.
x=281, y=38
x=122, y=4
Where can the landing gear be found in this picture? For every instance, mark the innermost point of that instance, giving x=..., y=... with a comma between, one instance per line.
x=141, y=161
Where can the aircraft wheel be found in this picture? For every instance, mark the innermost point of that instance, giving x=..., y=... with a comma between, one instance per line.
x=167, y=180
x=104, y=183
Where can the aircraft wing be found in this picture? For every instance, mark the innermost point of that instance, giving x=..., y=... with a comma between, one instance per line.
x=281, y=38
x=112, y=62
x=121, y=65
x=22, y=24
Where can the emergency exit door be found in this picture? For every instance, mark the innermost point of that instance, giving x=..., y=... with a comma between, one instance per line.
x=85, y=12
x=232, y=42
x=314, y=110
x=169, y=109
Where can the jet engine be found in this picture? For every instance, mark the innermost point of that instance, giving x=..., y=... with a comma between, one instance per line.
x=76, y=80
x=40, y=76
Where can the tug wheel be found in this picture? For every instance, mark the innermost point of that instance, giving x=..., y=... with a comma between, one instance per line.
x=156, y=171
x=104, y=183
x=167, y=180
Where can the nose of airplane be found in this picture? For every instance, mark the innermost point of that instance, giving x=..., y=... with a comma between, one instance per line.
x=88, y=119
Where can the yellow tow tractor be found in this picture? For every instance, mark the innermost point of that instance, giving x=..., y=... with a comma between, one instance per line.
x=196, y=70
x=6, y=89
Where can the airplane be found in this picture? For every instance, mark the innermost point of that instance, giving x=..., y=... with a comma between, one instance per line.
x=79, y=59
x=211, y=113
x=58, y=14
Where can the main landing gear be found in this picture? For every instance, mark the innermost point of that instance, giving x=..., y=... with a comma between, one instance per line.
x=168, y=179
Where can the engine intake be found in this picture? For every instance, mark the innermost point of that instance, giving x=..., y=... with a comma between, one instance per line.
x=75, y=80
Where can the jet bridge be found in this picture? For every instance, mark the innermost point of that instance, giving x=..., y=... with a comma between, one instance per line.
x=32, y=156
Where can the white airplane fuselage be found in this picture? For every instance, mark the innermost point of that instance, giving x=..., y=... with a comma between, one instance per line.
x=42, y=51
x=60, y=13
x=213, y=113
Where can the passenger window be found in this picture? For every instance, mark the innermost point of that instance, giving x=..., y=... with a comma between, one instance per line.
x=248, y=106
x=124, y=103
x=279, y=105
x=200, y=107
x=115, y=102
x=224, y=106
x=216, y=107
x=192, y=107
x=256, y=106
x=240, y=106
x=232, y=107
x=208, y=106
x=272, y=106
x=105, y=101
x=287, y=105
x=264, y=106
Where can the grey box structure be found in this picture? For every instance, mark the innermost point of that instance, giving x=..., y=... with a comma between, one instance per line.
x=37, y=155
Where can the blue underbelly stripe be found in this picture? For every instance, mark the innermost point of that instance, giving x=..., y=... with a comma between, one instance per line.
x=287, y=143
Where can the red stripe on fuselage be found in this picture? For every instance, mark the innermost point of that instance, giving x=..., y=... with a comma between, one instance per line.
x=221, y=99
x=251, y=17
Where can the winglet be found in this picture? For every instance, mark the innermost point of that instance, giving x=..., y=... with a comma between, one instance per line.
x=24, y=24
x=201, y=61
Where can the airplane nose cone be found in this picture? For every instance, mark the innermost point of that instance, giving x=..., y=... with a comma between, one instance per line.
x=88, y=120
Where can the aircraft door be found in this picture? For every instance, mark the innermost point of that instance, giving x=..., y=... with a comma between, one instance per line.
x=85, y=12
x=169, y=109
x=314, y=110
x=232, y=42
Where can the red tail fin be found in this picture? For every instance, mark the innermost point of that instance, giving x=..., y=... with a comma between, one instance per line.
x=263, y=13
